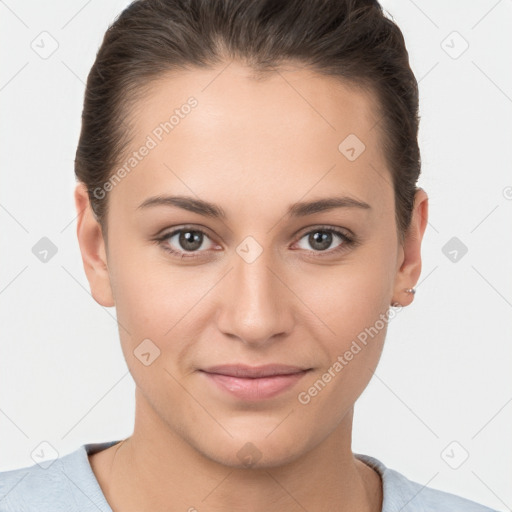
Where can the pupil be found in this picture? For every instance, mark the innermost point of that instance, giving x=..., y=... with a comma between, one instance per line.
x=324, y=240
x=190, y=240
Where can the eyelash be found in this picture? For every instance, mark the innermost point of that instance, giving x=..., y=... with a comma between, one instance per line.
x=348, y=242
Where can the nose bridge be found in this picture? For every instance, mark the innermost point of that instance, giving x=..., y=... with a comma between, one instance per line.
x=254, y=307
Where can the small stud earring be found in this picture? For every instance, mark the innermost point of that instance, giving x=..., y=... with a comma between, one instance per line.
x=410, y=290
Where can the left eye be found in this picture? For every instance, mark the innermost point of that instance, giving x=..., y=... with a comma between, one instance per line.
x=321, y=239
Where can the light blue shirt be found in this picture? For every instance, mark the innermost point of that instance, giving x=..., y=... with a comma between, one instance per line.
x=69, y=485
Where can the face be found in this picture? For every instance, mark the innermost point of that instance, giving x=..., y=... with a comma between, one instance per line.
x=256, y=277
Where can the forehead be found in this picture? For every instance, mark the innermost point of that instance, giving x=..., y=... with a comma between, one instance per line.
x=233, y=96
x=287, y=132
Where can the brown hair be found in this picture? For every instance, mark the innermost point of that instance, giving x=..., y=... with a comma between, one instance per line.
x=348, y=39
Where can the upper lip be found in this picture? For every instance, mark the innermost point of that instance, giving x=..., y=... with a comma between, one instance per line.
x=245, y=371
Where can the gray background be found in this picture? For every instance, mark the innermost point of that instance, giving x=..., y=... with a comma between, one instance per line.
x=442, y=391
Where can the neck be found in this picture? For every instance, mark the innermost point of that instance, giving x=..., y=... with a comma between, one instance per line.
x=155, y=468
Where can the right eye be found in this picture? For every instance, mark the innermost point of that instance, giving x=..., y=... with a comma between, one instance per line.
x=183, y=242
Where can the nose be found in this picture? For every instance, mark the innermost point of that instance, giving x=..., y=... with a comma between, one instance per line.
x=256, y=305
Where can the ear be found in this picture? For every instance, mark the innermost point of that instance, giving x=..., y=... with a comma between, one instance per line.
x=409, y=263
x=92, y=247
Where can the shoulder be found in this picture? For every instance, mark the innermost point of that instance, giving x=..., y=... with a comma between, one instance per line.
x=402, y=494
x=64, y=484
x=21, y=489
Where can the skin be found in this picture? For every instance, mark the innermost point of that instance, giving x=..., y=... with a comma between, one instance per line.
x=253, y=148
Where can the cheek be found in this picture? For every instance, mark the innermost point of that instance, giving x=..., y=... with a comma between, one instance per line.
x=352, y=354
x=149, y=294
x=163, y=302
x=352, y=296
x=354, y=308
x=160, y=303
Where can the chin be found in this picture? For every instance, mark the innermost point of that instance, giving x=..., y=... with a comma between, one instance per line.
x=258, y=451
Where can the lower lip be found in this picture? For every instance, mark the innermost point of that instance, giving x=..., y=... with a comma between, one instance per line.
x=255, y=389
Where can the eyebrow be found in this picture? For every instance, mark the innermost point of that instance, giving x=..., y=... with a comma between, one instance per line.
x=300, y=209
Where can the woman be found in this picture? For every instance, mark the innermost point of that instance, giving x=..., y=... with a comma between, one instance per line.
x=247, y=201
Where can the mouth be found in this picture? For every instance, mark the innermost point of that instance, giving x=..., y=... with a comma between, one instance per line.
x=254, y=383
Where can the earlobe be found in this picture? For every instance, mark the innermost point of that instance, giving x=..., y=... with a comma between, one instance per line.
x=92, y=248
x=410, y=268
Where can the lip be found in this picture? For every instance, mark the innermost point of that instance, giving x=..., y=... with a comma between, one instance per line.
x=254, y=383
x=246, y=371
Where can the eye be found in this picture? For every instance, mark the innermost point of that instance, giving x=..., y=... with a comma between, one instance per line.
x=322, y=238
x=190, y=242
x=184, y=242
